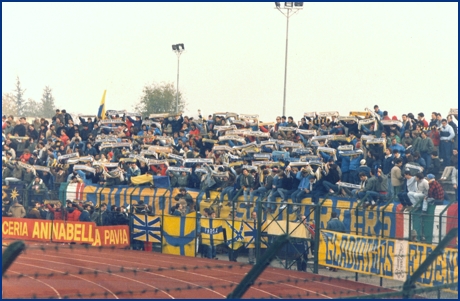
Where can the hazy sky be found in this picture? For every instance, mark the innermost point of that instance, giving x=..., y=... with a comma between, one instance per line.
x=342, y=56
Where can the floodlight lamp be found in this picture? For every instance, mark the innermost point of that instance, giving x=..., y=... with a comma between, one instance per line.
x=277, y=4
x=288, y=4
x=181, y=45
x=174, y=47
x=298, y=4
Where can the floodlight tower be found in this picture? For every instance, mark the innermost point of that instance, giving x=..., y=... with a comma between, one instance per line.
x=178, y=49
x=291, y=8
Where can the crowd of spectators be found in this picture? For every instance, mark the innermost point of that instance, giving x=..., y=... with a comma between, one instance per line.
x=367, y=156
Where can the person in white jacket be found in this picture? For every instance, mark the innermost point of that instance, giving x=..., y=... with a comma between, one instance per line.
x=422, y=190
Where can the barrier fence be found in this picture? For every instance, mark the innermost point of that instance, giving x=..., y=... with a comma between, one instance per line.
x=384, y=242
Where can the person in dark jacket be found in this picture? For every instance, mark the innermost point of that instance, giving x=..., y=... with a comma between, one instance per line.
x=334, y=224
x=121, y=217
x=85, y=216
x=331, y=178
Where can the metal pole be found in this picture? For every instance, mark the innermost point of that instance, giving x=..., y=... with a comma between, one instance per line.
x=177, y=91
x=285, y=62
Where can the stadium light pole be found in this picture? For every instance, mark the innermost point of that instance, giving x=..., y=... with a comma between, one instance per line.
x=178, y=49
x=291, y=9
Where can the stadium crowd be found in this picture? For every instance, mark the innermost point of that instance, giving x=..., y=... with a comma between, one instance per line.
x=365, y=155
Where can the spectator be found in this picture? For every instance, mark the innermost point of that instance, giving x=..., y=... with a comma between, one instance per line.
x=246, y=182
x=85, y=215
x=446, y=145
x=422, y=190
x=425, y=148
x=410, y=185
x=396, y=177
x=265, y=186
x=16, y=210
x=421, y=118
x=56, y=210
x=435, y=193
x=435, y=165
x=34, y=212
x=334, y=224
x=183, y=194
x=38, y=189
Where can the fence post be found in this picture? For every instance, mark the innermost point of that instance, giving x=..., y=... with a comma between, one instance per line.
x=131, y=218
x=382, y=234
x=259, y=232
x=11, y=253
x=440, y=218
x=356, y=227
x=409, y=283
x=317, y=236
x=258, y=268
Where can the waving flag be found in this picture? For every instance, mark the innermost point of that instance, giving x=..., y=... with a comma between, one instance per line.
x=250, y=235
x=235, y=230
x=146, y=228
x=212, y=231
x=179, y=234
x=101, y=111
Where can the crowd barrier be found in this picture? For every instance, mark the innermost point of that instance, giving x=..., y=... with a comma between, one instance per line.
x=384, y=221
x=375, y=242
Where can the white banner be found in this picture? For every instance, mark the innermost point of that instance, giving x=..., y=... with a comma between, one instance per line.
x=400, y=259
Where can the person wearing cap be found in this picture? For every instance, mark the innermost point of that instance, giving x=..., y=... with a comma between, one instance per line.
x=422, y=190
x=435, y=193
x=364, y=168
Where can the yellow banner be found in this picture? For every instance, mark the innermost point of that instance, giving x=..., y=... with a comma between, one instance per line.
x=179, y=234
x=389, y=258
x=212, y=231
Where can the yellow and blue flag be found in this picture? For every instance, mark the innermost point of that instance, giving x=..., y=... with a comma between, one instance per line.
x=179, y=234
x=101, y=111
x=146, y=228
x=212, y=231
x=250, y=235
x=234, y=233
